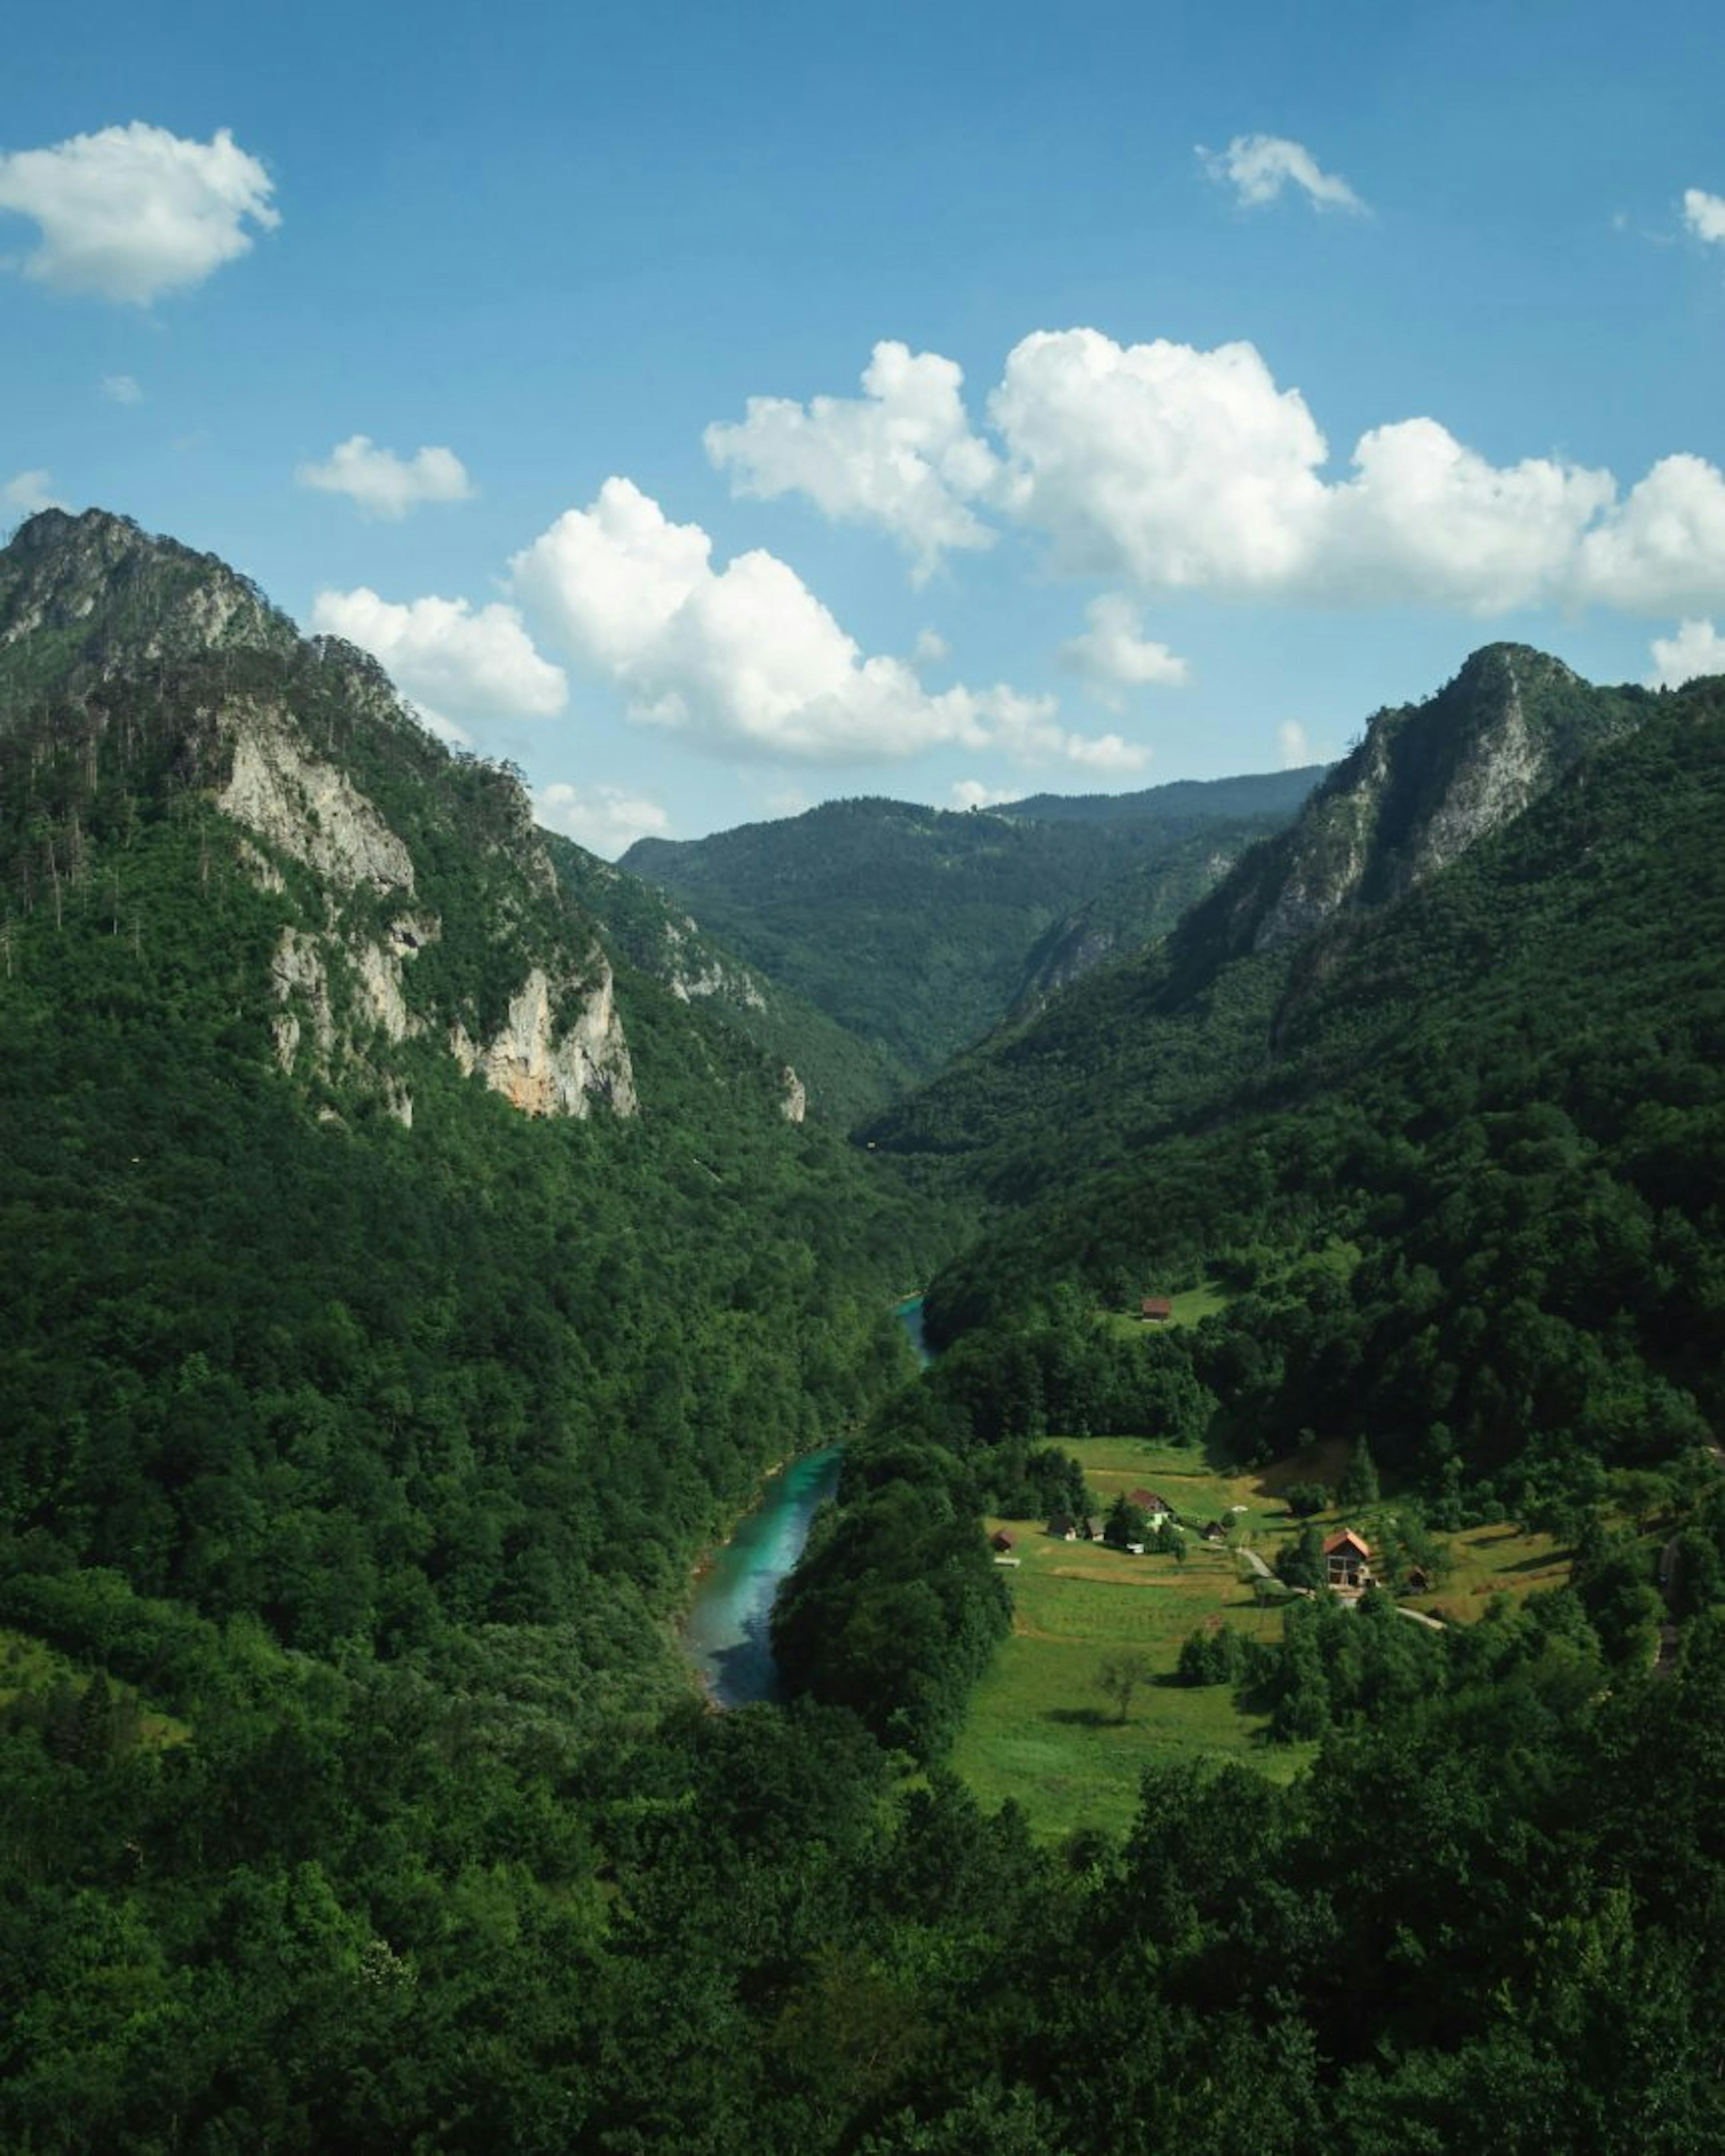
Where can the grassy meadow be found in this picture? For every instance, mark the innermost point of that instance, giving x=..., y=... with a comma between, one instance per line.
x=1039, y=1728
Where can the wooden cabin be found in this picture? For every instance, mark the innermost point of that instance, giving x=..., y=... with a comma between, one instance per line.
x=1156, y=1310
x=1347, y=1562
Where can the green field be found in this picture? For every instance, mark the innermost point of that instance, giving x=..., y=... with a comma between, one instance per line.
x=1039, y=1728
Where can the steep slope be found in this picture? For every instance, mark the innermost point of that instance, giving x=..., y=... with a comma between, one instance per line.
x=1164, y=1035
x=412, y=898
x=1469, y=1199
x=914, y=927
x=382, y=1258
x=827, y=1071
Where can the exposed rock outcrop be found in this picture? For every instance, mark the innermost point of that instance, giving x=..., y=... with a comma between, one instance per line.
x=310, y=809
x=545, y=1070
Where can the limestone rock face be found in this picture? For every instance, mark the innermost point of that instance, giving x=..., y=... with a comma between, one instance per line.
x=1425, y=784
x=545, y=1071
x=793, y=1104
x=313, y=812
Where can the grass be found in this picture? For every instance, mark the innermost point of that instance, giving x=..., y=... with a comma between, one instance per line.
x=1039, y=1729
x=30, y=1665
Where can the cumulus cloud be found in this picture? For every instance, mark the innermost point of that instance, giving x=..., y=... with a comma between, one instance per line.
x=902, y=456
x=131, y=213
x=1696, y=650
x=1662, y=550
x=1292, y=744
x=474, y=665
x=1258, y=168
x=384, y=485
x=743, y=659
x=1113, y=653
x=605, y=819
x=27, y=491
x=1705, y=215
x=1165, y=465
x=121, y=389
x=1170, y=468
x=972, y=793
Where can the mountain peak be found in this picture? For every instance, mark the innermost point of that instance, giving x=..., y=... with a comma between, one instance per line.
x=104, y=594
x=1425, y=783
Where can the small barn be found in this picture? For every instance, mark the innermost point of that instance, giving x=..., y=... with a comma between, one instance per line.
x=1347, y=1562
x=1001, y=1541
x=1156, y=1310
x=1064, y=1528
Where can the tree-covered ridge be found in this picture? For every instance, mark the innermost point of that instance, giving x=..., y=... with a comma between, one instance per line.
x=844, y=1077
x=1501, y=1095
x=915, y=928
x=267, y=1353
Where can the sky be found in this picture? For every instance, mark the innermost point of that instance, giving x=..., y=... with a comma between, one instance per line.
x=715, y=411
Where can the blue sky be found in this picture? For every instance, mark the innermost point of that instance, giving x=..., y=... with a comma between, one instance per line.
x=715, y=412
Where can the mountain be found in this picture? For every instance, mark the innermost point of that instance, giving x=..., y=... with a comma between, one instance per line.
x=1449, y=1160
x=1273, y=793
x=828, y=1071
x=1158, y=1036
x=917, y=929
x=375, y=1260
x=376, y=1361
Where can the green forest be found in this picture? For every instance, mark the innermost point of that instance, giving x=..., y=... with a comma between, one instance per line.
x=360, y=1434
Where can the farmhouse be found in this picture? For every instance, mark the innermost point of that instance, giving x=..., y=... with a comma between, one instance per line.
x=1157, y=1510
x=1347, y=1569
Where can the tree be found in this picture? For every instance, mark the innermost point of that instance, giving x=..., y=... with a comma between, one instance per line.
x=1121, y=1677
x=1358, y=1486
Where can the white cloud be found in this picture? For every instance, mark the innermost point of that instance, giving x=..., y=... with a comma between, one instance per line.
x=930, y=648
x=972, y=793
x=121, y=389
x=27, y=491
x=1105, y=753
x=1425, y=519
x=383, y=483
x=1292, y=744
x=1113, y=654
x=1697, y=648
x=606, y=819
x=1258, y=166
x=744, y=659
x=131, y=213
x=1170, y=468
x=1167, y=465
x=1663, y=550
x=478, y=665
x=902, y=456
x=1705, y=214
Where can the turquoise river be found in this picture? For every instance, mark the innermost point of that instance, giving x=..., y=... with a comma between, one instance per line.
x=725, y=1633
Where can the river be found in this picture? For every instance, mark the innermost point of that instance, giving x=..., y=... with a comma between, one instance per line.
x=725, y=1633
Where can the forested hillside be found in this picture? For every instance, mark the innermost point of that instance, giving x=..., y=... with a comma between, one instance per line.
x=408, y=1271
x=1498, y=1097
x=918, y=930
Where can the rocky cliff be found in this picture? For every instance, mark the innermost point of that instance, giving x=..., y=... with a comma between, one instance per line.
x=365, y=832
x=1425, y=783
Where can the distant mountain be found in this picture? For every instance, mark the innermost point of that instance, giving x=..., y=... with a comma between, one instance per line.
x=917, y=929
x=1431, y=1087
x=1140, y=1044
x=1277, y=793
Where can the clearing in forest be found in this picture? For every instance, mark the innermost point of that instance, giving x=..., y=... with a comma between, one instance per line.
x=1039, y=1728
